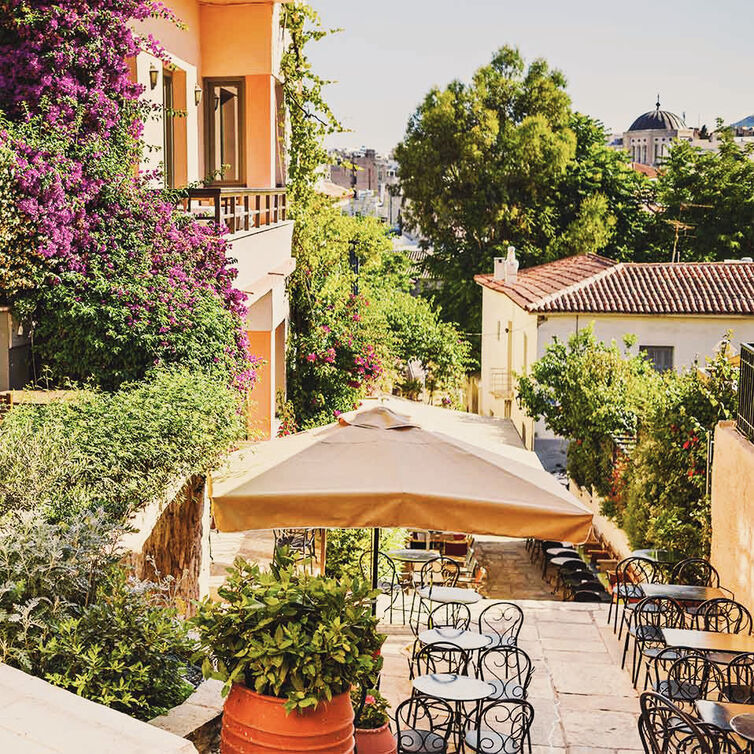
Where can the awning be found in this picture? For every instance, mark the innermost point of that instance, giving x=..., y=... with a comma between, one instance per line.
x=378, y=468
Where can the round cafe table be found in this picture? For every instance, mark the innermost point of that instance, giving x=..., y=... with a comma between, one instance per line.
x=455, y=689
x=449, y=594
x=468, y=640
x=744, y=725
x=414, y=556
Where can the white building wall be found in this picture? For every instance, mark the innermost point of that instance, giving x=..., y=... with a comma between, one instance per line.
x=509, y=346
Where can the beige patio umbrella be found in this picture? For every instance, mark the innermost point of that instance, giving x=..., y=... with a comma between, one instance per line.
x=377, y=468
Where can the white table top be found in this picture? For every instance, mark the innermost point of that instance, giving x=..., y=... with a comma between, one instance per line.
x=449, y=594
x=469, y=640
x=452, y=687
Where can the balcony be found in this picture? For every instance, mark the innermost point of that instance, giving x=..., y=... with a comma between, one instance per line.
x=745, y=416
x=239, y=209
x=501, y=383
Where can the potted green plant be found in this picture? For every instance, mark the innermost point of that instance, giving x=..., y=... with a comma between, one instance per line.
x=289, y=647
x=373, y=734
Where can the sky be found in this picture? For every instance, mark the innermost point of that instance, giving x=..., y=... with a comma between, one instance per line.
x=616, y=56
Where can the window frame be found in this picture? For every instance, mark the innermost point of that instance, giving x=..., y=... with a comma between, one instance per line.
x=648, y=349
x=210, y=82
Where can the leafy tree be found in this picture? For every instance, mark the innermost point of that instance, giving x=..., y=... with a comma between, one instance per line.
x=666, y=501
x=709, y=197
x=503, y=160
x=413, y=330
x=601, y=201
x=476, y=165
x=588, y=392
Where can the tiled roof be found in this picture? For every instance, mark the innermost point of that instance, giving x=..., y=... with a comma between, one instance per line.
x=591, y=284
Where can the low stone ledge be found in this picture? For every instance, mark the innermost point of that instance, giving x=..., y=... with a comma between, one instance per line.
x=198, y=719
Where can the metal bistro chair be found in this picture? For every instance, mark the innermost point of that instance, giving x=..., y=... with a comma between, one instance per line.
x=423, y=726
x=299, y=541
x=501, y=621
x=441, y=571
x=442, y=657
x=666, y=729
x=508, y=669
x=501, y=727
x=648, y=619
x=738, y=686
x=388, y=581
x=723, y=615
x=629, y=573
x=693, y=677
x=450, y=614
x=568, y=570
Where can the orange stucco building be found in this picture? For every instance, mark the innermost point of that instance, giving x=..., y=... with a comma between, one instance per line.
x=222, y=123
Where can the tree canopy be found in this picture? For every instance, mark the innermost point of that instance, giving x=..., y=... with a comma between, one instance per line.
x=504, y=160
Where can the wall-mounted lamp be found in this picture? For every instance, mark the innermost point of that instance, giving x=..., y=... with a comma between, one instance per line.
x=197, y=95
x=153, y=74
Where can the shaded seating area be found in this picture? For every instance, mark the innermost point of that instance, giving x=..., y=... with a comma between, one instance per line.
x=469, y=684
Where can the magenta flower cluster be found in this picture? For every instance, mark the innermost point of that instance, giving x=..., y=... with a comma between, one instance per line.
x=123, y=281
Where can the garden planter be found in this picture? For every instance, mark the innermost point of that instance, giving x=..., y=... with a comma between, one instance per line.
x=256, y=724
x=375, y=741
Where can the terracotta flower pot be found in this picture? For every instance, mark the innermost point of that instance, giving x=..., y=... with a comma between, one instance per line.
x=375, y=740
x=256, y=724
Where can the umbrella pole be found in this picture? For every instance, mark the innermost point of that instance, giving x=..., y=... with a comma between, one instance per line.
x=322, y=551
x=375, y=563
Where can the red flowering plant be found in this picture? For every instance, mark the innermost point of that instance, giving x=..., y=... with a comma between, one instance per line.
x=110, y=277
x=667, y=495
x=374, y=712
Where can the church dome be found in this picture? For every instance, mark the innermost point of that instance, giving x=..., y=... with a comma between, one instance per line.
x=659, y=120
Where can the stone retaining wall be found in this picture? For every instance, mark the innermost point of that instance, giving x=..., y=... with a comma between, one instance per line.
x=171, y=540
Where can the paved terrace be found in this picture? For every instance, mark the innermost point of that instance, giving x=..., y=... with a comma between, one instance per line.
x=584, y=703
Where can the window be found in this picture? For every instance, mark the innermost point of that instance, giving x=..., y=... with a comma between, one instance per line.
x=660, y=356
x=224, y=108
x=168, y=129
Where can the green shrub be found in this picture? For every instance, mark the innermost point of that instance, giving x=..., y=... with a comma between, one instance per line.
x=69, y=613
x=115, y=451
x=345, y=547
x=288, y=634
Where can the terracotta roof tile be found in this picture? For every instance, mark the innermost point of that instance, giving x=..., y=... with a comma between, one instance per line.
x=591, y=284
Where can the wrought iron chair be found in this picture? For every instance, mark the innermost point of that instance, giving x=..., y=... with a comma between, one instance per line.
x=443, y=657
x=569, y=569
x=693, y=677
x=502, y=622
x=695, y=572
x=441, y=571
x=508, y=669
x=739, y=679
x=724, y=616
x=452, y=614
x=629, y=574
x=423, y=726
x=658, y=676
x=647, y=620
x=667, y=729
x=300, y=542
x=388, y=580
x=501, y=727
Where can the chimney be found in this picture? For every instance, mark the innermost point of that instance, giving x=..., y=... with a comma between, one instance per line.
x=498, y=273
x=511, y=266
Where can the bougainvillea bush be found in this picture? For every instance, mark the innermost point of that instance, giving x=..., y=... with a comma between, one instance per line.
x=109, y=276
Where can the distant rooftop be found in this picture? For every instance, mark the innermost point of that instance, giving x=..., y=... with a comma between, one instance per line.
x=588, y=283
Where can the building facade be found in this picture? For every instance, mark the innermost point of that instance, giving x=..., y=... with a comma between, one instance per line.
x=678, y=312
x=649, y=137
x=221, y=121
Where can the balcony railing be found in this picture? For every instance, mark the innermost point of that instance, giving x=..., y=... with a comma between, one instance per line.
x=501, y=382
x=745, y=417
x=240, y=209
